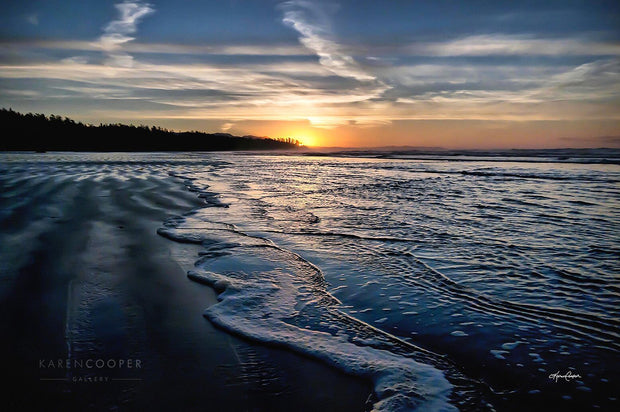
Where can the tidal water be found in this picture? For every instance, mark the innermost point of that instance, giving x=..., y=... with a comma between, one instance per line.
x=492, y=274
x=450, y=282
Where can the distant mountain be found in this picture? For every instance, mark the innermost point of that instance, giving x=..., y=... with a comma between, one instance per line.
x=37, y=132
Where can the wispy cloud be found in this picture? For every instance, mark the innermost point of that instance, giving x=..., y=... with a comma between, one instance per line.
x=266, y=49
x=264, y=92
x=369, y=56
x=226, y=127
x=514, y=45
x=311, y=21
x=588, y=91
x=118, y=32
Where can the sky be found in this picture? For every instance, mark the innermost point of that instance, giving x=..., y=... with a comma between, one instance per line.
x=349, y=73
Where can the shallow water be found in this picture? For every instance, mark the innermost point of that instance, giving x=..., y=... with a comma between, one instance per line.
x=449, y=284
x=509, y=269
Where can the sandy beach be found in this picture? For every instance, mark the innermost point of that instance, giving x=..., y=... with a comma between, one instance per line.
x=96, y=310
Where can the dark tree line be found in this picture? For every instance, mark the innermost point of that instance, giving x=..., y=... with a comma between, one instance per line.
x=37, y=132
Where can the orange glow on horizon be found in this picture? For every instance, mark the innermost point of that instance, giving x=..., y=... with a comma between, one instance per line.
x=306, y=137
x=447, y=134
x=305, y=140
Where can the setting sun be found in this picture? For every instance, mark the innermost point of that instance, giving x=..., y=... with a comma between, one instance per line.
x=305, y=137
x=306, y=140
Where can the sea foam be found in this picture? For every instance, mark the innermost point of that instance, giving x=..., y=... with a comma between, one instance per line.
x=274, y=296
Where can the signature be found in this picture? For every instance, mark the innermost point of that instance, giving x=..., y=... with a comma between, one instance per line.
x=567, y=376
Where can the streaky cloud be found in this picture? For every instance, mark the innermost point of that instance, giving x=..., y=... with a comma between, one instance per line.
x=265, y=49
x=598, y=79
x=375, y=55
x=238, y=93
x=514, y=45
x=117, y=32
x=311, y=22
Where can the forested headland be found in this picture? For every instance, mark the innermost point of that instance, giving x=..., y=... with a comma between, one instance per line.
x=38, y=132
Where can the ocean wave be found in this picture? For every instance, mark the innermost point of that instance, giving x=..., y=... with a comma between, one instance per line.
x=276, y=297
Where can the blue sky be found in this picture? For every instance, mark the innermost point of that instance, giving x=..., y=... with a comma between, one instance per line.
x=347, y=73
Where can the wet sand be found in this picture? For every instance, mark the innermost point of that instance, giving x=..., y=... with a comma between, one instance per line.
x=85, y=279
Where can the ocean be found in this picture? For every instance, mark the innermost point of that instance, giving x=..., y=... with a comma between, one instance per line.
x=450, y=281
